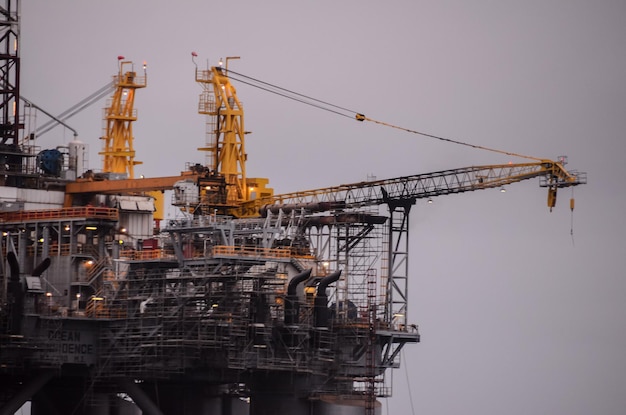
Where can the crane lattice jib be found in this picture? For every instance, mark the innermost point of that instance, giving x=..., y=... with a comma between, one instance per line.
x=429, y=185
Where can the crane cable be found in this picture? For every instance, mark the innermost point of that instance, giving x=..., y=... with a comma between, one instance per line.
x=361, y=117
x=286, y=94
x=408, y=382
x=571, y=207
x=76, y=108
x=323, y=105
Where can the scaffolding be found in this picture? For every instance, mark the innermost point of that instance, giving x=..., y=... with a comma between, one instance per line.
x=209, y=300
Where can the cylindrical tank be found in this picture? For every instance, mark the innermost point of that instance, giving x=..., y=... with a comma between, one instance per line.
x=77, y=157
x=50, y=162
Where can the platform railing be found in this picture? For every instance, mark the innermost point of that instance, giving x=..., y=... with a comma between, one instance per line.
x=90, y=212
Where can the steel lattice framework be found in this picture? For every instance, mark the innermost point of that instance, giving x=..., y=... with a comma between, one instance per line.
x=10, y=154
x=428, y=185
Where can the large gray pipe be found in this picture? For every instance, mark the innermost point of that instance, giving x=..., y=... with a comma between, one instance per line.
x=321, y=313
x=292, y=306
x=41, y=268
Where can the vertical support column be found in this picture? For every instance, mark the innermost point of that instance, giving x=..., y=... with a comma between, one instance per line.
x=45, y=246
x=35, y=245
x=102, y=231
x=22, y=238
x=342, y=255
x=370, y=358
x=4, y=275
x=73, y=238
x=398, y=254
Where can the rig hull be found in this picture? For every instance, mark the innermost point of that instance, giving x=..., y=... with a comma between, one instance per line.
x=209, y=314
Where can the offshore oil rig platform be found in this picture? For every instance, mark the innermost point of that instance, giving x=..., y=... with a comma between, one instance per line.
x=252, y=303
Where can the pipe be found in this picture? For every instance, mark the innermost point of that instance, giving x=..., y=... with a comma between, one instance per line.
x=321, y=313
x=326, y=281
x=292, y=307
x=41, y=268
x=293, y=284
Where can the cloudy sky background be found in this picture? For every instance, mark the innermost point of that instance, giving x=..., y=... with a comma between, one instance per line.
x=517, y=315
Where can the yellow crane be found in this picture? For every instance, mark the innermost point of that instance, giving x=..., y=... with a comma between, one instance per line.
x=227, y=157
x=224, y=187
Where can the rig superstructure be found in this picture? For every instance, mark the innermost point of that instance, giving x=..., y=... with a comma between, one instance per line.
x=254, y=303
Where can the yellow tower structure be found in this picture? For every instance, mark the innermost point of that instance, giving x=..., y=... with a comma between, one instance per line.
x=118, y=153
x=225, y=144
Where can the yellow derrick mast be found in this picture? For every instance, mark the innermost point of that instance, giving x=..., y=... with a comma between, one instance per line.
x=118, y=153
x=225, y=145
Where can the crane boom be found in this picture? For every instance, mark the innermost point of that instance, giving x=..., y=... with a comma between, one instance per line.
x=552, y=173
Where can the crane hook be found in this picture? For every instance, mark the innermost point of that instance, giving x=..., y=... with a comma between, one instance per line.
x=551, y=197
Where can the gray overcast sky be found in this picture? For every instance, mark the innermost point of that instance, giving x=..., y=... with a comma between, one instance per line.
x=516, y=316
